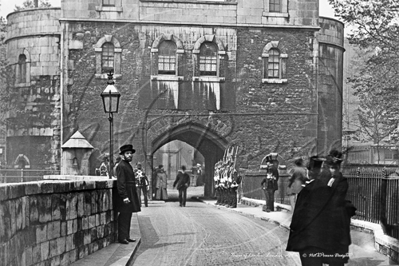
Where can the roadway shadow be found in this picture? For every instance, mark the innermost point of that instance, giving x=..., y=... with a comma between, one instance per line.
x=149, y=237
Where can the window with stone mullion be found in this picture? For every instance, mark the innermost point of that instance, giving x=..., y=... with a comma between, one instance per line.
x=107, y=57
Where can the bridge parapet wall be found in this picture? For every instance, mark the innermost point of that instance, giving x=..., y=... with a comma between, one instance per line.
x=55, y=222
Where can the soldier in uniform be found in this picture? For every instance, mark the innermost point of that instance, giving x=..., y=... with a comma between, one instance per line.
x=142, y=184
x=236, y=182
x=269, y=183
x=216, y=178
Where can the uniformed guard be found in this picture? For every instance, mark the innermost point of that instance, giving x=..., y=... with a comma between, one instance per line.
x=269, y=183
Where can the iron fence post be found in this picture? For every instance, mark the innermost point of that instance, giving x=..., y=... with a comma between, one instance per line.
x=383, y=200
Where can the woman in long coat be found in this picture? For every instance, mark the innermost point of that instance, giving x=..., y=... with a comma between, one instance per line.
x=320, y=227
x=161, y=184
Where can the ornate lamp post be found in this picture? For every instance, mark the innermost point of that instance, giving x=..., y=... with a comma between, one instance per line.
x=110, y=97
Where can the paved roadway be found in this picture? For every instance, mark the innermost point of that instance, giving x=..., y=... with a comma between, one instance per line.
x=200, y=234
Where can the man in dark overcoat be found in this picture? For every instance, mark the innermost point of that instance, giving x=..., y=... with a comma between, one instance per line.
x=182, y=182
x=320, y=227
x=127, y=200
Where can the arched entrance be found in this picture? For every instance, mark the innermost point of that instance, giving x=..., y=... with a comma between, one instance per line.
x=203, y=139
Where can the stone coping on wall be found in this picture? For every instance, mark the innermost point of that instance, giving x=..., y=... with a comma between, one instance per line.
x=77, y=177
x=17, y=190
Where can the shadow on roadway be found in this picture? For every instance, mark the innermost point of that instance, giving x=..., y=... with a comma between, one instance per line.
x=149, y=238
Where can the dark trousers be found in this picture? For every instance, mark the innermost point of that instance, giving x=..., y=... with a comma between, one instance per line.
x=182, y=196
x=124, y=219
x=269, y=193
x=145, y=193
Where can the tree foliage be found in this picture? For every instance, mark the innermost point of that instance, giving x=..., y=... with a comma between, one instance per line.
x=374, y=27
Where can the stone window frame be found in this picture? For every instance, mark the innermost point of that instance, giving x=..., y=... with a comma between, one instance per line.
x=282, y=14
x=154, y=58
x=282, y=67
x=117, y=57
x=27, y=70
x=117, y=7
x=196, y=54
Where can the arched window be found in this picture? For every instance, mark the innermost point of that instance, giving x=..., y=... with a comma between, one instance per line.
x=107, y=57
x=21, y=69
x=208, y=59
x=167, y=58
x=273, y=65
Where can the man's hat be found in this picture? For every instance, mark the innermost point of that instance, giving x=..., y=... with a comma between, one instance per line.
x=125, y=148
x=334, y=158
x=315, y=162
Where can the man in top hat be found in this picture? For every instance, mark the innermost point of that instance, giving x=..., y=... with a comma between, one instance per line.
x=127, y=200
x=321, y=218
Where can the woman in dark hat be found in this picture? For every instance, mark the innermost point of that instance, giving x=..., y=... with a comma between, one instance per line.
x=320, y=227
x=127, y=200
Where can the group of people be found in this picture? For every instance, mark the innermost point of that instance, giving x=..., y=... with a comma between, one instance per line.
x=320, y=226
x=227, y=180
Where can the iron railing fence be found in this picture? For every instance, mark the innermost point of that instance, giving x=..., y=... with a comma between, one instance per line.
x=375, y=193
x=373, y=190
x=24, y=175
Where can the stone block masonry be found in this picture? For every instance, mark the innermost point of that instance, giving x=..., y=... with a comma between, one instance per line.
x=55, y=222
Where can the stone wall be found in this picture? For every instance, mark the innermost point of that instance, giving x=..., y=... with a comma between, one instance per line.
x=54, y=222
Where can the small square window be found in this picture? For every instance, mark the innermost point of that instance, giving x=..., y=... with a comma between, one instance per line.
x=108, y=2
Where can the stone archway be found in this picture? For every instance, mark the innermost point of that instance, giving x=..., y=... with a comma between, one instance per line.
x=202, y=138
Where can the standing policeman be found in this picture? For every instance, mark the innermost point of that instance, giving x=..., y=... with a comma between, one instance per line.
x=127, y=200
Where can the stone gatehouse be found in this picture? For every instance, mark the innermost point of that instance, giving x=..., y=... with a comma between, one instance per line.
x=266, y=76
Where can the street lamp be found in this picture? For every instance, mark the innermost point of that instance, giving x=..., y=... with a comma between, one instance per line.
x=110, y=97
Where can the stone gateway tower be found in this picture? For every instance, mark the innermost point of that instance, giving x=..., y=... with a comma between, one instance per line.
x=263, y=75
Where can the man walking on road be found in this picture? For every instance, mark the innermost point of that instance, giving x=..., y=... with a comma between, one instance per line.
x=127, y=200
x=183, y=182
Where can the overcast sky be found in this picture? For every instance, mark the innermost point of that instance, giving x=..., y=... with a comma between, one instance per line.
x=8, y=6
